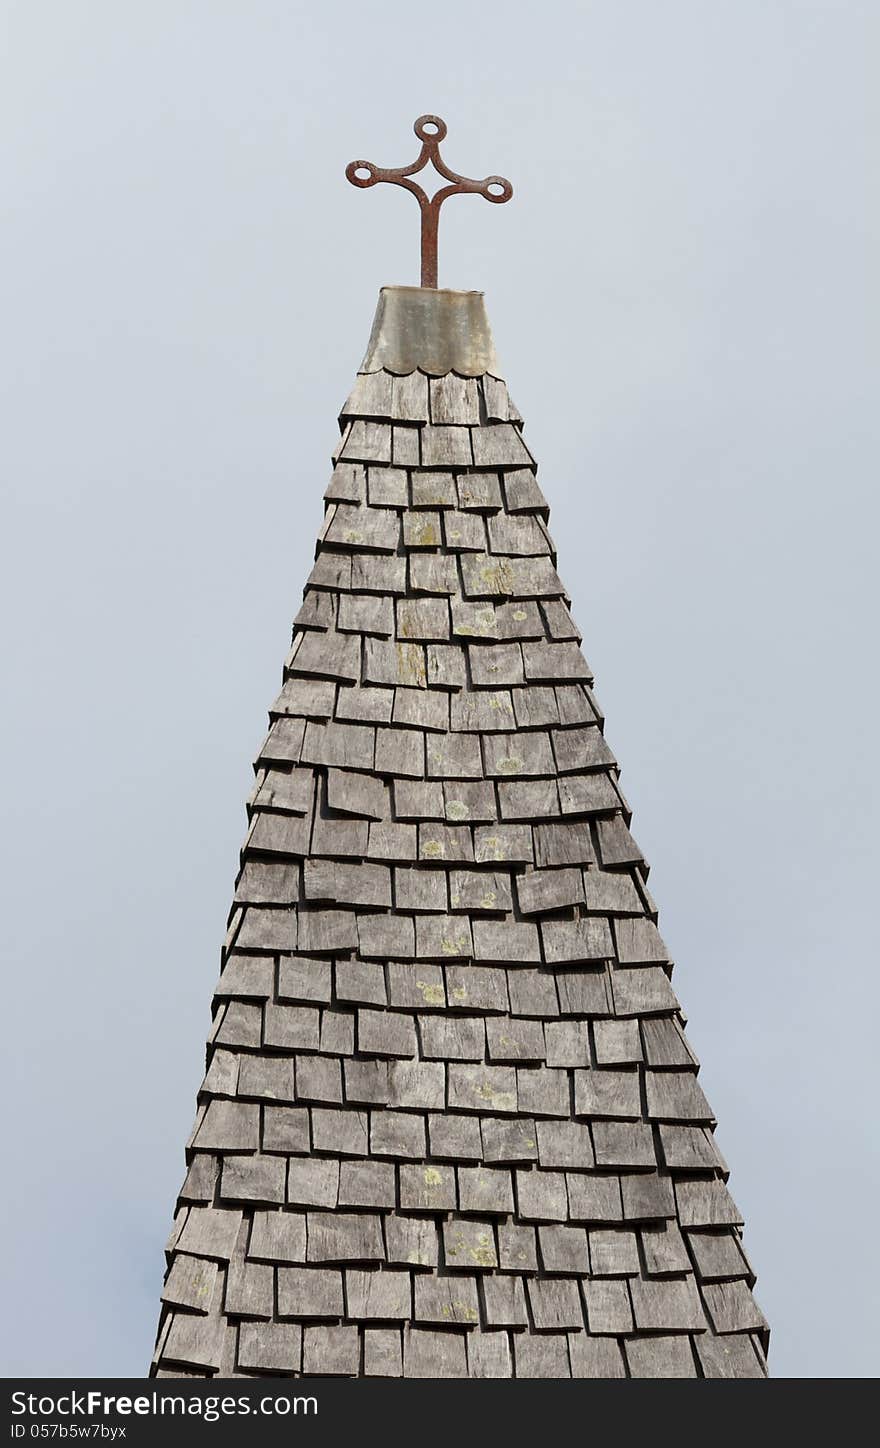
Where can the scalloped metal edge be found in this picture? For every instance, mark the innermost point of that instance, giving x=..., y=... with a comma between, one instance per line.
x=422, y=329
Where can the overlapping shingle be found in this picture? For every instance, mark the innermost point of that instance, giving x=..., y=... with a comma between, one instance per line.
x=451, y=1124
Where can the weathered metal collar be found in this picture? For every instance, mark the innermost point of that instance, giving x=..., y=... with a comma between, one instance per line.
x=427, y=330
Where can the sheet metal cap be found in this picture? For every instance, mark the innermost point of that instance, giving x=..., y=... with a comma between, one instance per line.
x=430, y=330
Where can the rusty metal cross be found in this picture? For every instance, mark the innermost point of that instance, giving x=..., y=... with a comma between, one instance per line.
x=430, y=131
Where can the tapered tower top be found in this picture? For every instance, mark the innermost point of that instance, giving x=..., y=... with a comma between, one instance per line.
x=451, y=1124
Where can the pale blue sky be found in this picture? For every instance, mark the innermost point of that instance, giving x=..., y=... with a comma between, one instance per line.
x=684, y=297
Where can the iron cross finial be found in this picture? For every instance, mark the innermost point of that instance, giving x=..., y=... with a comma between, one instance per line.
x=430, y=131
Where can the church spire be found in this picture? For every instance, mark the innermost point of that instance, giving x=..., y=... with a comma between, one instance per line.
x=451, y=1124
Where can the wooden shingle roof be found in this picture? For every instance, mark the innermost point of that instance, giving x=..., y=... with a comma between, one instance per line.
x=451, y=1124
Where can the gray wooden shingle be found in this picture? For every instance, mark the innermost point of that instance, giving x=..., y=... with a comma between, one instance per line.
x=503, y=843
x=476, y=987
x=705, y=1204
x=270, y=1347
x=433, y=489
x=506, y=940
x=489, y=1355
x=664, y=1250
x=593, y=1198
x=660, y=1357
x=729, y=1357
x=463, y=532
x=347, y=484
x=469, y=800
x=454, y=400
x=495, y=665
x=564, y=1144
x=566, y=1043
x=540, y=891
x=449, y=843
x=521, y=491
x=427, y=1188
x=370, y=396
x=608, y=1305
x=555, y=1304
x=384, y=1296
x=480, y=491
x=432, y=573
x=313, y=1182
x=519, y=755
x=194, y=1341
x=485, y=711
x=454, y=756
x=479, y=891
x=515, y=1040
x=278, y=1237
x=422, y=709
x=564, y=1250
x=446, y=1299
x=528, y=799
x=409, y=397
x=392, y=840
x=290, y=791
x=610, y=892
x=365, y=1184
x=544, y=1356
x=190, y=1283
x=482, y=1088
x=252, y=1179
x=595, y=1357
x=344, y=1237
x=333, y=1351
x=452, y=1038
x=430, y=1354
x=230, y=1126
x=446, y=447
x=387, y=487
x=338, y=1130
x=367, y=442
x=667, y=1305
x=302, y=979
x=307, y=1292
x=541, y=1196
x=469, y=1246
x=372, y=573
x=357, y=793
x=621, y=1143
x=516, y=535
x=613, y=1253
x=582, y=992
x=543, y=1091
x=391, y=662
x=308, y=698
x=330, y=655
x=718, y=1256
x=642, y=991
x=499, y=444
x=411, y=1240
x=366, y=613
x=616, y=1042
x=416, y=889
x=601, y=1093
